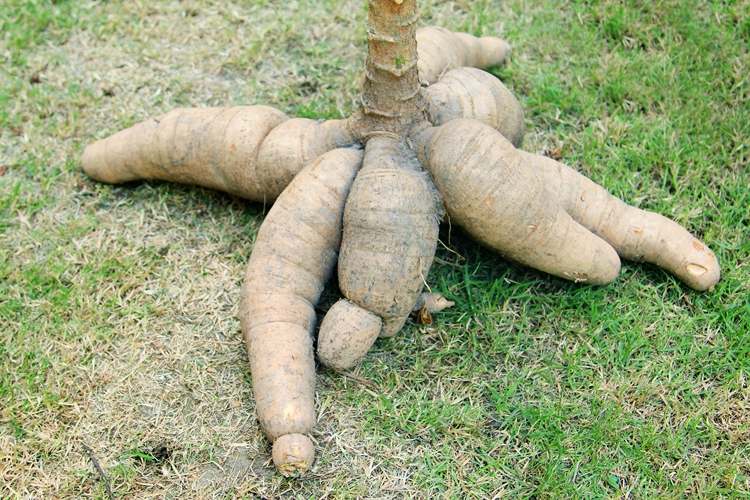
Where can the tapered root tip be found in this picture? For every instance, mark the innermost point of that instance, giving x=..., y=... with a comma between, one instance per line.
x=604, y=265
x=293, y=454
x=95, y=164
x=90, y=162
x=611, y=267
x=701, y=270
x=496, y=50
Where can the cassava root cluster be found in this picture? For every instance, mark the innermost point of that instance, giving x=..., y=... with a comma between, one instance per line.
x=434, y=135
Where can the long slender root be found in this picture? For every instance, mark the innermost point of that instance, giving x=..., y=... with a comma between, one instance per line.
x=249, y=151
x=545, y=215
x=294, y=255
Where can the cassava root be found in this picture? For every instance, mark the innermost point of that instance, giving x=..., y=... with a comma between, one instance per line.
x=441, y=50
x=294, y=256
x=383, y=267
x=473, y=93
x=438, y=134
x=543, y=214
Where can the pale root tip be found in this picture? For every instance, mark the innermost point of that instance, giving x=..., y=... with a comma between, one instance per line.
x=606, y=269
x=614, y=268
x=94, y=165
x=293, y=454
x=99, y=163
x=496, y=49
x=88, y=160
x=702, y=272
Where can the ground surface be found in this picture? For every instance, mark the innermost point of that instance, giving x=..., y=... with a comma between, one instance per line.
x=118, y=306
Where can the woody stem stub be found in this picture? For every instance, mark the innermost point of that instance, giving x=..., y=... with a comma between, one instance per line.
x=391, y=92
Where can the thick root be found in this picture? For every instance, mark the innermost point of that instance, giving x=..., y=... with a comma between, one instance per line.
x=636, y=234
x=489, y=192
x=390, y=233
x=293, y=454
x=294, y=255
x=249, y=151
x=294, y=144
x=544, y=215
x=473, y=93
x=441, y=50
x=346, y=334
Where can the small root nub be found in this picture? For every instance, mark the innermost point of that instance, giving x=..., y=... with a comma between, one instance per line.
x=293, y=454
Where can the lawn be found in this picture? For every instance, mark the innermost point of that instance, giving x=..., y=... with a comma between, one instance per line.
x=118, y=305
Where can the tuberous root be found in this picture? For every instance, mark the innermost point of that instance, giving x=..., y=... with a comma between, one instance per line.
x=544, y=214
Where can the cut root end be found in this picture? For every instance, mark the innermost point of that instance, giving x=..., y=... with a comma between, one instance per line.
x=293, y=454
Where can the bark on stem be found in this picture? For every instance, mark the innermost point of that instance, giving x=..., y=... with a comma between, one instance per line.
x=391, y=93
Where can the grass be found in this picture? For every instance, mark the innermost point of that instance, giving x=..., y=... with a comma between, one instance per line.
x=118, y=305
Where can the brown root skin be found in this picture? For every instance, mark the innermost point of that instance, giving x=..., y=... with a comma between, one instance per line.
x=635, y=234
x=489, y=192
x=346, y=334
x=294, y=144
x=293, y=454
x=212, y=147
x=249, y=151
x=390, y=233
x=293, y=257
x=441, y=50
x=473, y=93
x=545, y=215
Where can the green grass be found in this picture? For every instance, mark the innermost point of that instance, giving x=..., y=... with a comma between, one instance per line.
x=118, y=304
